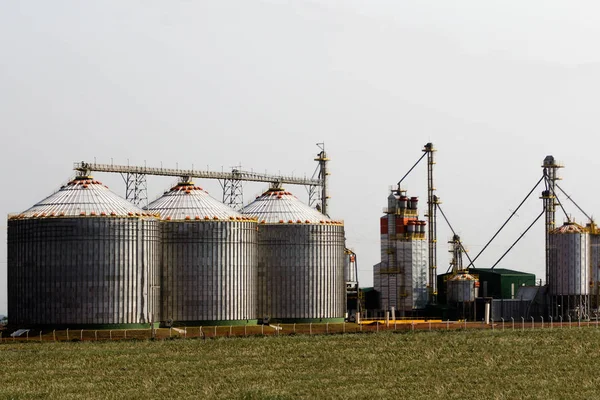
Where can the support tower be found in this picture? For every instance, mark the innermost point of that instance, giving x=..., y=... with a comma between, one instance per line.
x=432, y=202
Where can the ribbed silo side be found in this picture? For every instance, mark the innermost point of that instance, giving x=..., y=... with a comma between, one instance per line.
x=83, y=256
x=208, y=261
x=84, y=271
x=209, y=272
x=570, y=271
x=301, y=274
x=595, y=267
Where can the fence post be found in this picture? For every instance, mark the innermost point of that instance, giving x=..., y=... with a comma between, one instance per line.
x=110, y=334
x=502, y=324
x=185, y=333
x=216, y=330
x=579, y=322
x=54, y=334
x=561, y=324
x=170, y=332
x=27, y=336
x=522, y=323
x=569, y=321
x=125, y=334
x=262, y=329
x=551, y=325
x=294, y=327
x=200, y=334
x=532, y=323
x=542, y=322
x=67, y=334
x=310, y=328
x=513, y=323
x=412, y=326
x=360, y=325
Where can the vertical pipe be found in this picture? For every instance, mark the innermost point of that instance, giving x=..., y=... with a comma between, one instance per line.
x=432, y=202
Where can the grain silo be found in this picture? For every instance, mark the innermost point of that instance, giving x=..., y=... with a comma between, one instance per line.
x=83, y=257
x=300, y=260
x=570, y=273
x=208, y=259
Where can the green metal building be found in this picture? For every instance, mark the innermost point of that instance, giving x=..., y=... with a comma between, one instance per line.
x=498, y=283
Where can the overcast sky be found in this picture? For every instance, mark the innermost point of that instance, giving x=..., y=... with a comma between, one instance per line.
x=495, y=85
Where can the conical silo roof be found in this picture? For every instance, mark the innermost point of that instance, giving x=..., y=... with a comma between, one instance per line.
x=280, y=206
x=569, y=227
x=186, y=201
x=82, y=196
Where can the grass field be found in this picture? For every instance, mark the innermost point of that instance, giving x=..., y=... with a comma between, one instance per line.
x=535, y=364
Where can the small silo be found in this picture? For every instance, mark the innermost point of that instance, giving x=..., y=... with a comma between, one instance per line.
x=300, y=260
x=462, y=288
x=208, y=259
x=570, y=274
x=83, y=257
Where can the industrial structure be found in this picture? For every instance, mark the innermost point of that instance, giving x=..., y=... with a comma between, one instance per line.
x=209, y=259
x=401, y=276
x=353, y=304
x=136, y=188
x=573, y=274
x=300, y=260
x=83, y=257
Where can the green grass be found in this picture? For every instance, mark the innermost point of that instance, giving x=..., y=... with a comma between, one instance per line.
x=549, y=364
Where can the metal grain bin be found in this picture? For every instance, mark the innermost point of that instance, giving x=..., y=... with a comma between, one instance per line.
x=462, y=288
x=300, y=260
x=570, y=267
x=208, y=259
x=570, y=274
x=83, y=257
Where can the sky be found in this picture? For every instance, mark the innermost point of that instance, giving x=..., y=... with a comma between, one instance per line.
x=495, y=85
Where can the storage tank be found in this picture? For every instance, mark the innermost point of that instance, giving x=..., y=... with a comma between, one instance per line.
x=208, y=259
x=570, y=274
x=462, y=288
x=300, y=260
x=570, y=260
x=83, y=257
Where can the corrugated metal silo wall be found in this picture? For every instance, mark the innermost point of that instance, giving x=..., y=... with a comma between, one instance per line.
x=569, y=270
x=459, y=291
x=209, y=271
x=595, y=268
x=301, y=272
x=83, y=271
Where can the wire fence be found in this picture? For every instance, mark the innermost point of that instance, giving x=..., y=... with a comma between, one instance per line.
x=210, y=332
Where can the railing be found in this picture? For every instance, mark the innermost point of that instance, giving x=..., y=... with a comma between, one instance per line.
x=373, y=326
